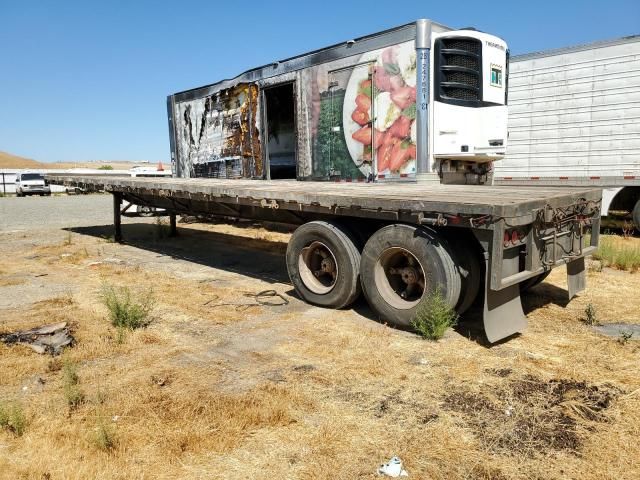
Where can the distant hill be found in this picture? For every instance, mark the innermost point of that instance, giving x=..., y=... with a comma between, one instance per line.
x=8, y=160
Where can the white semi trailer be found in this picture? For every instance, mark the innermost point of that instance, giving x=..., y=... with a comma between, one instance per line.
x=574, y=119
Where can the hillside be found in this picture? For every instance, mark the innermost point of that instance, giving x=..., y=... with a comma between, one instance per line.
x=8, y=160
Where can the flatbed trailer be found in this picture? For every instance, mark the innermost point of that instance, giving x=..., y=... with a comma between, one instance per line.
x=380, y=149
x=396, y=241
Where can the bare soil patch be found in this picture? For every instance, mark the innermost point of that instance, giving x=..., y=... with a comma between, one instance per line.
x=530, y=416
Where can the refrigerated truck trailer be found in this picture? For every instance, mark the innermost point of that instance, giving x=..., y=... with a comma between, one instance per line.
x=574, y=119
x=379, y=149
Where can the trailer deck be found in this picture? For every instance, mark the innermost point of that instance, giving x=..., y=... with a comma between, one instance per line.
x=360, y=199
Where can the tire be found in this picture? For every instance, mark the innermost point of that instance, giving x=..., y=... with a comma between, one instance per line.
x=467, y=257
x=145, y=211
x=329, y=250
x=389, y=252
x=636, y=216
x=533, y=281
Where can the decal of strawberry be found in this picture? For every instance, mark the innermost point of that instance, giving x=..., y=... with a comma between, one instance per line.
x=379, y=138
x=360, y=117
x=399, y=156
x=389, y=138
x=364, y=88
x=403, y=97
x=363, y=102
x=363, y=135
x=381, y=79
x=412, y=152
x=385, y=153
x=401, y=128
x=396, y=82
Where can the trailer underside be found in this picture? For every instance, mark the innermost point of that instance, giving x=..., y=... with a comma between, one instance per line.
x=497, y=239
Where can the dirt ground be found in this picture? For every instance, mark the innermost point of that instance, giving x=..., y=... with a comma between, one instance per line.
x=222, y=386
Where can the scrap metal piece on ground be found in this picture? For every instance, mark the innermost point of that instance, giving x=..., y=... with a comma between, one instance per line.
x=46, y=339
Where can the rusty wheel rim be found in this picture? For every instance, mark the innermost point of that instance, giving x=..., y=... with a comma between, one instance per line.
x=400, y=278
x=318, y=268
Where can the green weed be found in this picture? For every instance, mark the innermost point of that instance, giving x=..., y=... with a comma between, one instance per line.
x=434, y=316
x=126, y=311
x=590, y=315
x=70, y=385
x=12, y=418
x=104, y=436
x=625, y=336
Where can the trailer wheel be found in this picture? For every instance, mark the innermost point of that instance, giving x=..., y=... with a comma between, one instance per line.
x=467, y=259
x=532, y=282
x=145, y=211
x=324, y=264
x=400, y=263
x=636, y=215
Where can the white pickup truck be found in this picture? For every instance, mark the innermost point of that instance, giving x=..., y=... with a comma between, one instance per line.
x=31, y=183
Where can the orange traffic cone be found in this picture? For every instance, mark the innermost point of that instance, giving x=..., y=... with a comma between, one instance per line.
x=160, y=167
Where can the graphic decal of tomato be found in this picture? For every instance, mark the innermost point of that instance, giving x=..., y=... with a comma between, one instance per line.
x=391, y=90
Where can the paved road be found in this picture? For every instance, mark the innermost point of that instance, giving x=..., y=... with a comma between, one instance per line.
x=31, y=213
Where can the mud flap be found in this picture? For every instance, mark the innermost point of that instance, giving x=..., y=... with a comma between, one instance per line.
x=576, y=277
x=503, y=315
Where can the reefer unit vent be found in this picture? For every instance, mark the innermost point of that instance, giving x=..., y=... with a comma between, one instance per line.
x=458, y=71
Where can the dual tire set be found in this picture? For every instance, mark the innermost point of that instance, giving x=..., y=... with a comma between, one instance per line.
x=330, y=266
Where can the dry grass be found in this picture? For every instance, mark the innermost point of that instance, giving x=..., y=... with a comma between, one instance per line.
x=10, y=282
x=213, y=389
x=64, y=252
x=619, y=252
x=8, y=160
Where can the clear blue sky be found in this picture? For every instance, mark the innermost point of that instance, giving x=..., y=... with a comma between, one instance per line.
x=88, y=80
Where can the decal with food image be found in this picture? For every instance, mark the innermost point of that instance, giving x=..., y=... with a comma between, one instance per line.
x=363, y=109
x=387, y=88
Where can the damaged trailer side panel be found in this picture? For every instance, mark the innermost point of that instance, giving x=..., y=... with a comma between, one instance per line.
x=217, y=136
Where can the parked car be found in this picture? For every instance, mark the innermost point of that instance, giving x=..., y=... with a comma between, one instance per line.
x=31, y=183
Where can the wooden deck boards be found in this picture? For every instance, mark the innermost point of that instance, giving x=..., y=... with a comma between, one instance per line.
x=464, y=199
